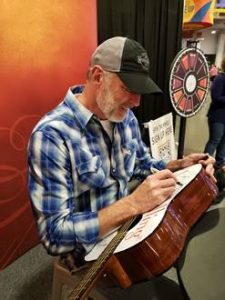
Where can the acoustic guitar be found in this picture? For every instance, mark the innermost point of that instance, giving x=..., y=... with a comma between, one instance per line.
x=146, y=246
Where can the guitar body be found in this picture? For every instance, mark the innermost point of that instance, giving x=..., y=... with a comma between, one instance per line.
x=156, y=252
x=160, y=250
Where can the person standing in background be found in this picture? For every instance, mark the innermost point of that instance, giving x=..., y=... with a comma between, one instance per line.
x=213, y=72
x=216, y=123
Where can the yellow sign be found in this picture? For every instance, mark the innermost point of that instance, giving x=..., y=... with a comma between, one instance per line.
x=189, y=10
x=198, y=14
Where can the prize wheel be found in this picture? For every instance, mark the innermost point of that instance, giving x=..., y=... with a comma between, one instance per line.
x=189, y=81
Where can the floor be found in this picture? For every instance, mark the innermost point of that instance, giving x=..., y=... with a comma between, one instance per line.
x=30, y=277
x=196, y=130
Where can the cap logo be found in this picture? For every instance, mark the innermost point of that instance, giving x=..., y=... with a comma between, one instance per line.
x=143, y=61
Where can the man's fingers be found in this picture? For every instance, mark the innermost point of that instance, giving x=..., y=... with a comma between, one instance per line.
x=210, y=172
x=208, y=160
x=164, y=174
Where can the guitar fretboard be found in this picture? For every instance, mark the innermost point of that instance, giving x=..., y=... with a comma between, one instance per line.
x=86, y=283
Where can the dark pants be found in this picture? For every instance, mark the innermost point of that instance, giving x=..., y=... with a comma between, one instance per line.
x=216, y=142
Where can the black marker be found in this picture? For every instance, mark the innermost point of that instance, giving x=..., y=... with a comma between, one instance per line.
x=154, y=170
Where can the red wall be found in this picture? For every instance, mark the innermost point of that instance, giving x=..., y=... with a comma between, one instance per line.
x=45, y=48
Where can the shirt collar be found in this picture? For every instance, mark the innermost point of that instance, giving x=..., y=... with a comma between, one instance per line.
x=81, y=113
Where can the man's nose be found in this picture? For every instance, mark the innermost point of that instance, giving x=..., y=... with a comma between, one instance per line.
x=135, y=99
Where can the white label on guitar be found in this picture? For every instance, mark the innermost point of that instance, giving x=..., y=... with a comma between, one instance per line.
x=149, y=221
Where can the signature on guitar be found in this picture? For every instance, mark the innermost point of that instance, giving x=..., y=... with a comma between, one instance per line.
x=149, y=221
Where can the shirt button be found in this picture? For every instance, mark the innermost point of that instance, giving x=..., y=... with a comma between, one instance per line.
x=113, y=170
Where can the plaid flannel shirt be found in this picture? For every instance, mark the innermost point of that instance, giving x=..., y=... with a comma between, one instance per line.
x=75, y=169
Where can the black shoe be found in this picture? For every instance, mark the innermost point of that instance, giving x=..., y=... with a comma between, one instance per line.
x=220, y=177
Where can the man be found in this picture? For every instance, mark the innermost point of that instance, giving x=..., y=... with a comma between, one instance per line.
x=84, y=152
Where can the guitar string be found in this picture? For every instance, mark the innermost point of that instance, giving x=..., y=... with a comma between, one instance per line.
x=108, y=251
x=99, y=262
x=89, y=277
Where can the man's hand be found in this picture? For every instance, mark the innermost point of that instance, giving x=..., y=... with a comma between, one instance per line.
x=205, y=159
x=154, y=190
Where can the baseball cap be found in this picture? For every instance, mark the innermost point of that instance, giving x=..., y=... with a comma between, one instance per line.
x=129, y=60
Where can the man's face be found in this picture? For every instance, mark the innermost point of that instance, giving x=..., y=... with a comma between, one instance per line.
x=114, y=99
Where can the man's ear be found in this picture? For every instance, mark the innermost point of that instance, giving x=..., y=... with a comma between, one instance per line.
x=97, y=74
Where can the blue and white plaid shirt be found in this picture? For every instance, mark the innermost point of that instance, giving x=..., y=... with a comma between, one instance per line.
x=75, y=169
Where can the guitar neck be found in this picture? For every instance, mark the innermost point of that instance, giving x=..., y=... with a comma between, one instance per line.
x=90, y=278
